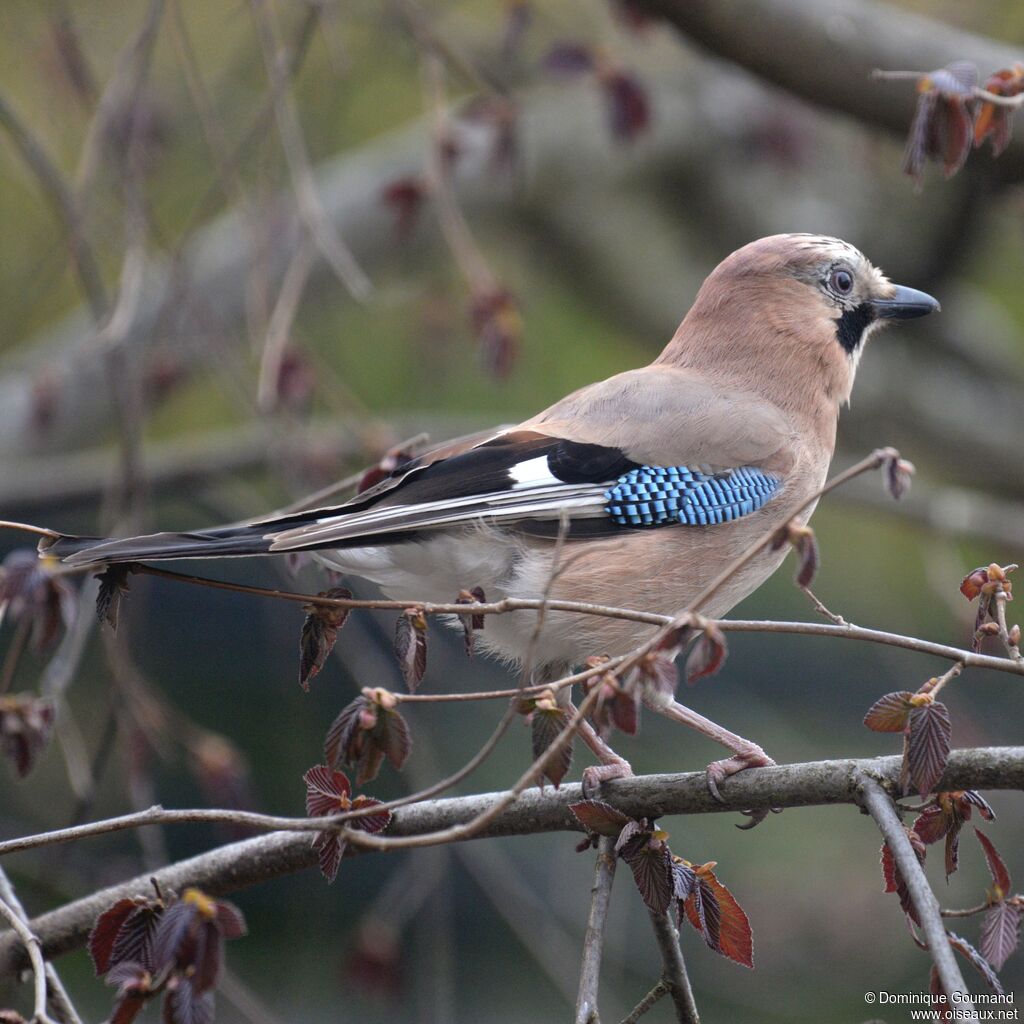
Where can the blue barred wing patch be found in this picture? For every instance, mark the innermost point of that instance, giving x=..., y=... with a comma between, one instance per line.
x=657, y=495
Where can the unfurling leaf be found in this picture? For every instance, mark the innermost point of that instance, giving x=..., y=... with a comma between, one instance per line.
x=404, y=197
x=134, y=989
x=366, y=731
x=890, y=713
x=984, y=968
x=1000, y=933
x=320, y=632
x=617, y=706
x=411, y=646
x=708, y=654
x=34, y=595
x=971, y=585
x=945, y=818
x=712, y=909
x=25, y=725
x=113, y=586
x=684, y=878
x=927, y=746
x=803, y=542
x=568, y=58
x=629, y=106
x=996, y=867
x=994, y=121
x=123, y=933
x=943, y=125
x=897, y=474
x=471, y=623
x=189, y=938
x=894, y=881
x=597, y=816
x=547, y=723
x=650, y=860
x=328, y=792
x=498, y=326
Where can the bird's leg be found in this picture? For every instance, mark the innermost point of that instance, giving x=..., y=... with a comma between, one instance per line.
x=745, y=753
x=612, y=766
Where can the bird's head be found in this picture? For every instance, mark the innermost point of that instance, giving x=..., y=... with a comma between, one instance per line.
x=792, y=311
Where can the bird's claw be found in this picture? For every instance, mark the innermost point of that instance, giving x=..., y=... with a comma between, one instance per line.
x=596, y=774
x=719, y=771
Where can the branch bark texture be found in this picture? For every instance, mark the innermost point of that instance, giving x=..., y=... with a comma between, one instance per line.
x=243, y=864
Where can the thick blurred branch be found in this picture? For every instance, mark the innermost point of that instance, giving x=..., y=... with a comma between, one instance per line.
x=825, y=50
x=239, y=865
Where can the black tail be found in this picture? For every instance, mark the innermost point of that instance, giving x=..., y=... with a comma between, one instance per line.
x=221, y=543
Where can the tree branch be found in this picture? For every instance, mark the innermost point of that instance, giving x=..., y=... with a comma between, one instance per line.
x=674, y=976
x=879, y=805
x=826, y=52
x=593, y=942
x=243, y=864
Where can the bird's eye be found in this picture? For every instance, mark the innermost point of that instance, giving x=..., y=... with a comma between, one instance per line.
x=841, y=281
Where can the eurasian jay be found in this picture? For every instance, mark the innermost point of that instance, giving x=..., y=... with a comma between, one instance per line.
x=656, y=478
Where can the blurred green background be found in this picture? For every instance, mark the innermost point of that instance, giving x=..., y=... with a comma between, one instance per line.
x=175, y=162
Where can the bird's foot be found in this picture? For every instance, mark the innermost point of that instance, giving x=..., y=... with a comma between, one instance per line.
x=718, y=771
x=596, y=774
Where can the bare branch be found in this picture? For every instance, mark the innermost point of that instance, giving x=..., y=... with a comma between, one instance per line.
x=674, y=976
x=879, y=805
x=593, y=942
x=239, y=865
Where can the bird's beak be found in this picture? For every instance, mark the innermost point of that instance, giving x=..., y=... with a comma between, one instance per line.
x=905, y=304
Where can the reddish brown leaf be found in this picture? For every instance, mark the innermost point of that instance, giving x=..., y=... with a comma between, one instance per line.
x=629, y=106
x=939, y=1005
x=1000, y=933
x=996, y=866
x=365, y=732
x=993, y=121
x=732, y=930
x=708, y=654
x=890, y=713
x=411, y=646
x=942, y=128
x=927, y=747
x=184, y=1005
x=651, y=864
x=953, y=848
x=26, y=722
x=932, y=824
x=597, y=816
x=404, y=197
x=894, y=881
x=971, y=584
x=498, y=326
x=471, y=623
x=106, y=930
x=897, y=474
x=320, y=632
x=327, y=792
x=547, y=724
x=806, y=546
x=702, y=911
x=984, y=968
x=134, y=988
x=35, y=595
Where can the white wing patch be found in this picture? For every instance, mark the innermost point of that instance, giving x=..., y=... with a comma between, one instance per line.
x=532, y=473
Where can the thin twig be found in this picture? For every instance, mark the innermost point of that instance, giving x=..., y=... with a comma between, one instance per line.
x=656, y=993
x=966, y=912
x=593, y=942
x=1000, y=598
x=65, y=207
x=310, y=208
x=879, y=805
x=11, y=911
x=849, y=631
x=674, y=974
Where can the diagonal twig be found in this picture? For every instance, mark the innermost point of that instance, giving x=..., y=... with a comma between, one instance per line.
x=593, y=942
